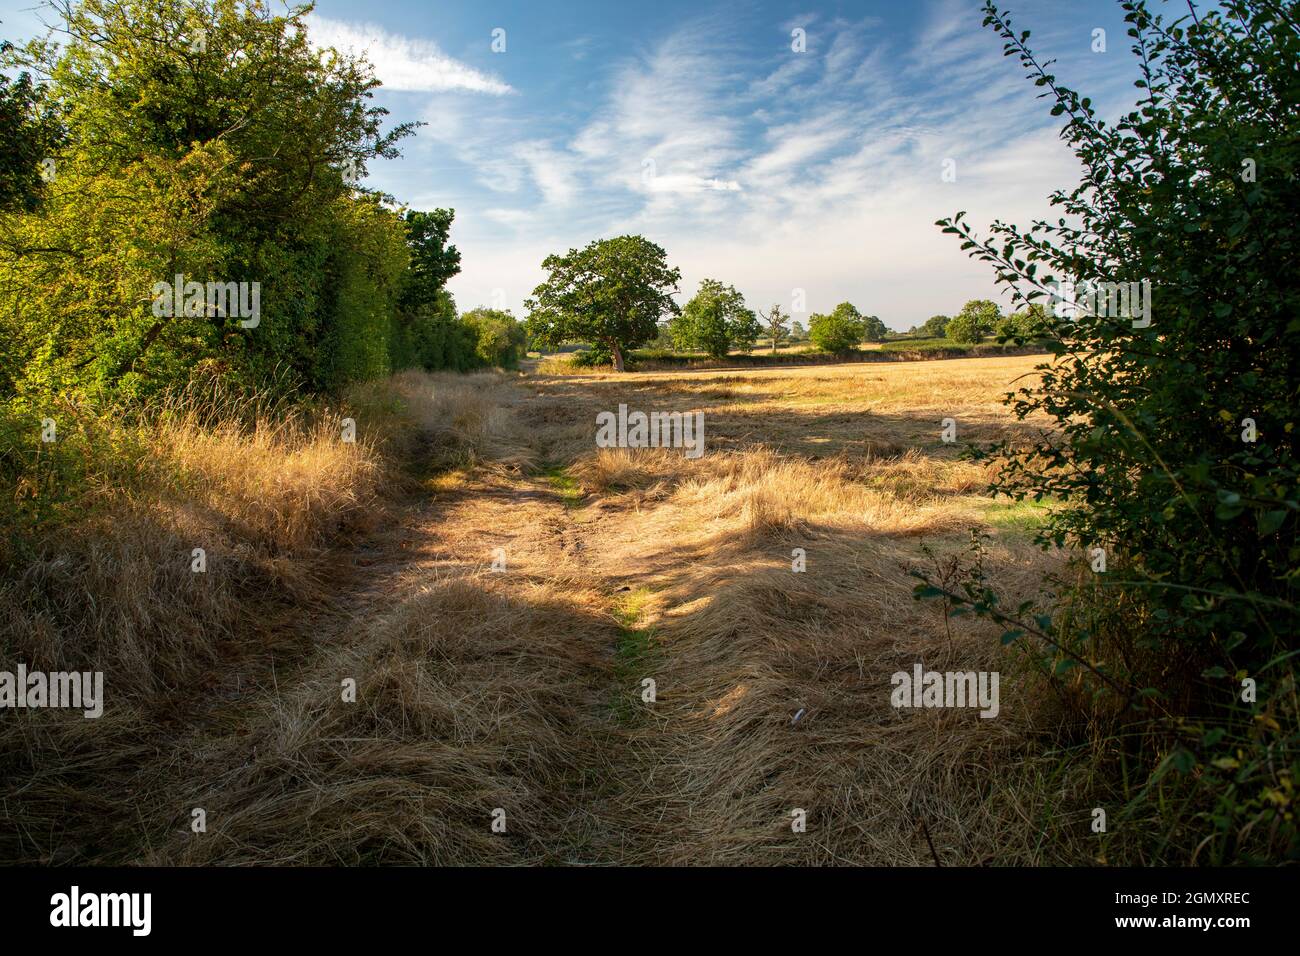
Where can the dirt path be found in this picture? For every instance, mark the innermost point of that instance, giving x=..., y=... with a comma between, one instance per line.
x=500, y=633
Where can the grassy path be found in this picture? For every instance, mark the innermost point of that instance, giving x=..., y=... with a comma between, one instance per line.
x=468, y=682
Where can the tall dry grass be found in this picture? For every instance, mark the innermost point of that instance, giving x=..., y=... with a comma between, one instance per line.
x=114, y=590
x=269, y=492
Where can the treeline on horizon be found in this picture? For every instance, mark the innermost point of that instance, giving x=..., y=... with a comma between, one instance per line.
x=611, y=297
x=210, y=140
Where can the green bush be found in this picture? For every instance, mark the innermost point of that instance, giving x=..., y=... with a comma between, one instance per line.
x=839, y=332
x=1175, y=445
x=348, y=288
x=499, y=337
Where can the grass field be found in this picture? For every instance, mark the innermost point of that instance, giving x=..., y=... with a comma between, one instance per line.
x=802, y=354
x=500, y=600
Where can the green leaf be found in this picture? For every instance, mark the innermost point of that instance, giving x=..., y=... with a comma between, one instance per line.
x=1184, y=760
x=1269, y=522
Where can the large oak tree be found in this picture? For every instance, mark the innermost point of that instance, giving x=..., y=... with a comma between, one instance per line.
x=610, y=293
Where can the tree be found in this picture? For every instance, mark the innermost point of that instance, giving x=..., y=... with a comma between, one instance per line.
x=433, y=259
x=426, y=333
x=933, y=327
x=1029, y=324
x=715, y=321
x=797, y=332
x=838, y=332
x=873, y=330
x=775, y=322
x=221, y=161
x=29, y=135
x=500, y=337
x=744, y=326
x=1174, y=445
x=974, y=322
x=611, y=293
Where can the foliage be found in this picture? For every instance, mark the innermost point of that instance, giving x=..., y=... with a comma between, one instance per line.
x=29, y=133
x=206, y=139
x=1175, y=442
x=433, y=259
x=1030, y=324
x=610, y=293
x=501, y=338
x=663, y=339
x=933, y=327
x=873, y=329
x=975, y=322
x=838, y=332
x=715, y=321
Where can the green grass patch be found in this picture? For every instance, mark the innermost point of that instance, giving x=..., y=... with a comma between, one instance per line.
x=632, y=654
x=1023, y=517
x=564, y=484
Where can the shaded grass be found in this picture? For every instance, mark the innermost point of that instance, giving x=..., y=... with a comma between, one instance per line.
x=632, y=654
x=1023, y=517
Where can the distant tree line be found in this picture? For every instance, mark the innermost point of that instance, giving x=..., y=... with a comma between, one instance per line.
x=617, y=295
x=980, y=319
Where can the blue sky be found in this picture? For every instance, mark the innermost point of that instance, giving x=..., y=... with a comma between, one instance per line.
x=697, y=125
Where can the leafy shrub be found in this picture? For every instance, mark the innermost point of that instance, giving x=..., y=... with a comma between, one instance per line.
x=1175, y=448
x=974, y=323
x=500, y=338
x=839, y=332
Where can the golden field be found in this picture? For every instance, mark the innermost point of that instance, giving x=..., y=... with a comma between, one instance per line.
x=518, y=688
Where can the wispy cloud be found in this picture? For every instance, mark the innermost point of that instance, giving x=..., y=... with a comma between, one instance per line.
x=772, y=169
x=667, y=126
x=402, y=63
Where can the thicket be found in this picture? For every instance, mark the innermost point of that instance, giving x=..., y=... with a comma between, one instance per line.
x=180, y=203
x=1172, y=465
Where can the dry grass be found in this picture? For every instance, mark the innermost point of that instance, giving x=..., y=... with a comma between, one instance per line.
x=116, y=591
x=521, y=690
x=739, y=644
x=471, y=697
x=266, y=494
x=464, y=420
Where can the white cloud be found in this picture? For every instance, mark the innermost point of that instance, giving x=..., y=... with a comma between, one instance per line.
x=690, y=184
x=553, y=171
x=672, y=108
x=402, y=63
x=514, y=218
x=820, y=172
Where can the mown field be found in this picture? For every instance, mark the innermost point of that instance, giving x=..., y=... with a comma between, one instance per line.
x=521, y=689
